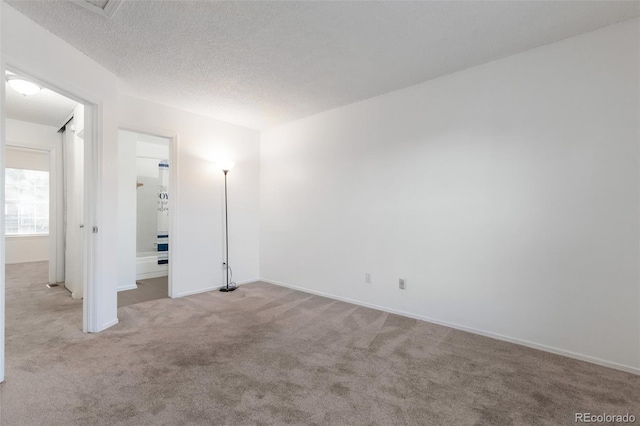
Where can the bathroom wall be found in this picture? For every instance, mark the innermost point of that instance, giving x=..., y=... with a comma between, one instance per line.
x=146, y=205
x=148, y=157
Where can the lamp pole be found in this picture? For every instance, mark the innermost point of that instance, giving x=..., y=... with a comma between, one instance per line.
x=226, y=288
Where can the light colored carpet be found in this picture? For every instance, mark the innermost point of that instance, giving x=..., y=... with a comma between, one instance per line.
x=149, y=289
x=269, y=355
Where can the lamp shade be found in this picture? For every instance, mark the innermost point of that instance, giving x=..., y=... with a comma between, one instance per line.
x=225, y=166
x=22, y=86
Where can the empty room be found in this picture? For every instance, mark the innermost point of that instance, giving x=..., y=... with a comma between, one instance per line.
x=320, y=213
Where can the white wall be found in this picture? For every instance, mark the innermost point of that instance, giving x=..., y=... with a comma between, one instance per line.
x=30, y=48
x=32, y=135
x=506, y=195
x=27, y=248
x=158, y=149
x=197, y=243
x=48, y=141
x=27, y=158
x=126, y=210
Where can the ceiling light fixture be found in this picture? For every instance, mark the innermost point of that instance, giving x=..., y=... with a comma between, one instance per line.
x=22, y=86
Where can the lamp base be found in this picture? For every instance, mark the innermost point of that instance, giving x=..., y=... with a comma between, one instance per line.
x=226, y=289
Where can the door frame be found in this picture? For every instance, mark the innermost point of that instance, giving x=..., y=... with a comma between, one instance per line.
x=173, y=192
x=93, y=117
x=56, y=233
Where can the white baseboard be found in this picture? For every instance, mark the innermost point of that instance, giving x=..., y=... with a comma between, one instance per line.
x=246, y=281
x=108, y=324
x=551, y=349
x=147, y=275
x=200, y=290
x=217, y=287
x=15, y=262
x=128, y=287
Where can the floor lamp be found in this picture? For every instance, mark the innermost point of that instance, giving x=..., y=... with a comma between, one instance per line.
x=225, y=167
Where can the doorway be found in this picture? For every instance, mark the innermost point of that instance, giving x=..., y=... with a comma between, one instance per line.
x=49, y=123
x=144, y=173
x=44, y=182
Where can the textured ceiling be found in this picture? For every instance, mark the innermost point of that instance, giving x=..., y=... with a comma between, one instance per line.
x=258, y=64
x=45, y=107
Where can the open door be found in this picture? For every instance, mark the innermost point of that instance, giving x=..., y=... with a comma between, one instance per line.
x=75, y=231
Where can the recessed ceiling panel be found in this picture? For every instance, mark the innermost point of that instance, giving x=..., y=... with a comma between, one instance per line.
x=99, y=3
x=105, y=8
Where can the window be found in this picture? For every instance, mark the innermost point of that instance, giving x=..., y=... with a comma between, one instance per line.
x=26, y=206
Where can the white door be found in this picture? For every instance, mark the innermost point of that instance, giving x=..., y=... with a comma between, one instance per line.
x=74, y=209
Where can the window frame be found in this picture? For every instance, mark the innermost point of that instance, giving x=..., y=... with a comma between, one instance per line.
x=48, y=205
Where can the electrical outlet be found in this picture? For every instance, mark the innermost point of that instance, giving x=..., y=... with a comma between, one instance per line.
x=367, y=278
x=401, y=284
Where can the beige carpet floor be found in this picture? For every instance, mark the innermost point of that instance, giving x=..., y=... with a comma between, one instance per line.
x=149, y=289
x=269, y=355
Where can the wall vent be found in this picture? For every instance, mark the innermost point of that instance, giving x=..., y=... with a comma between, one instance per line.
x=106, y=8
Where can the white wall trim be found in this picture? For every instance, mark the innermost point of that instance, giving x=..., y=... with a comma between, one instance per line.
x=148, y=275
x=128, y=287
x=2, y=240
x=201, y=290
x=216, y=287
x=496, y=336
x=92, y=211
x=245, y=282
x=108, y=324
